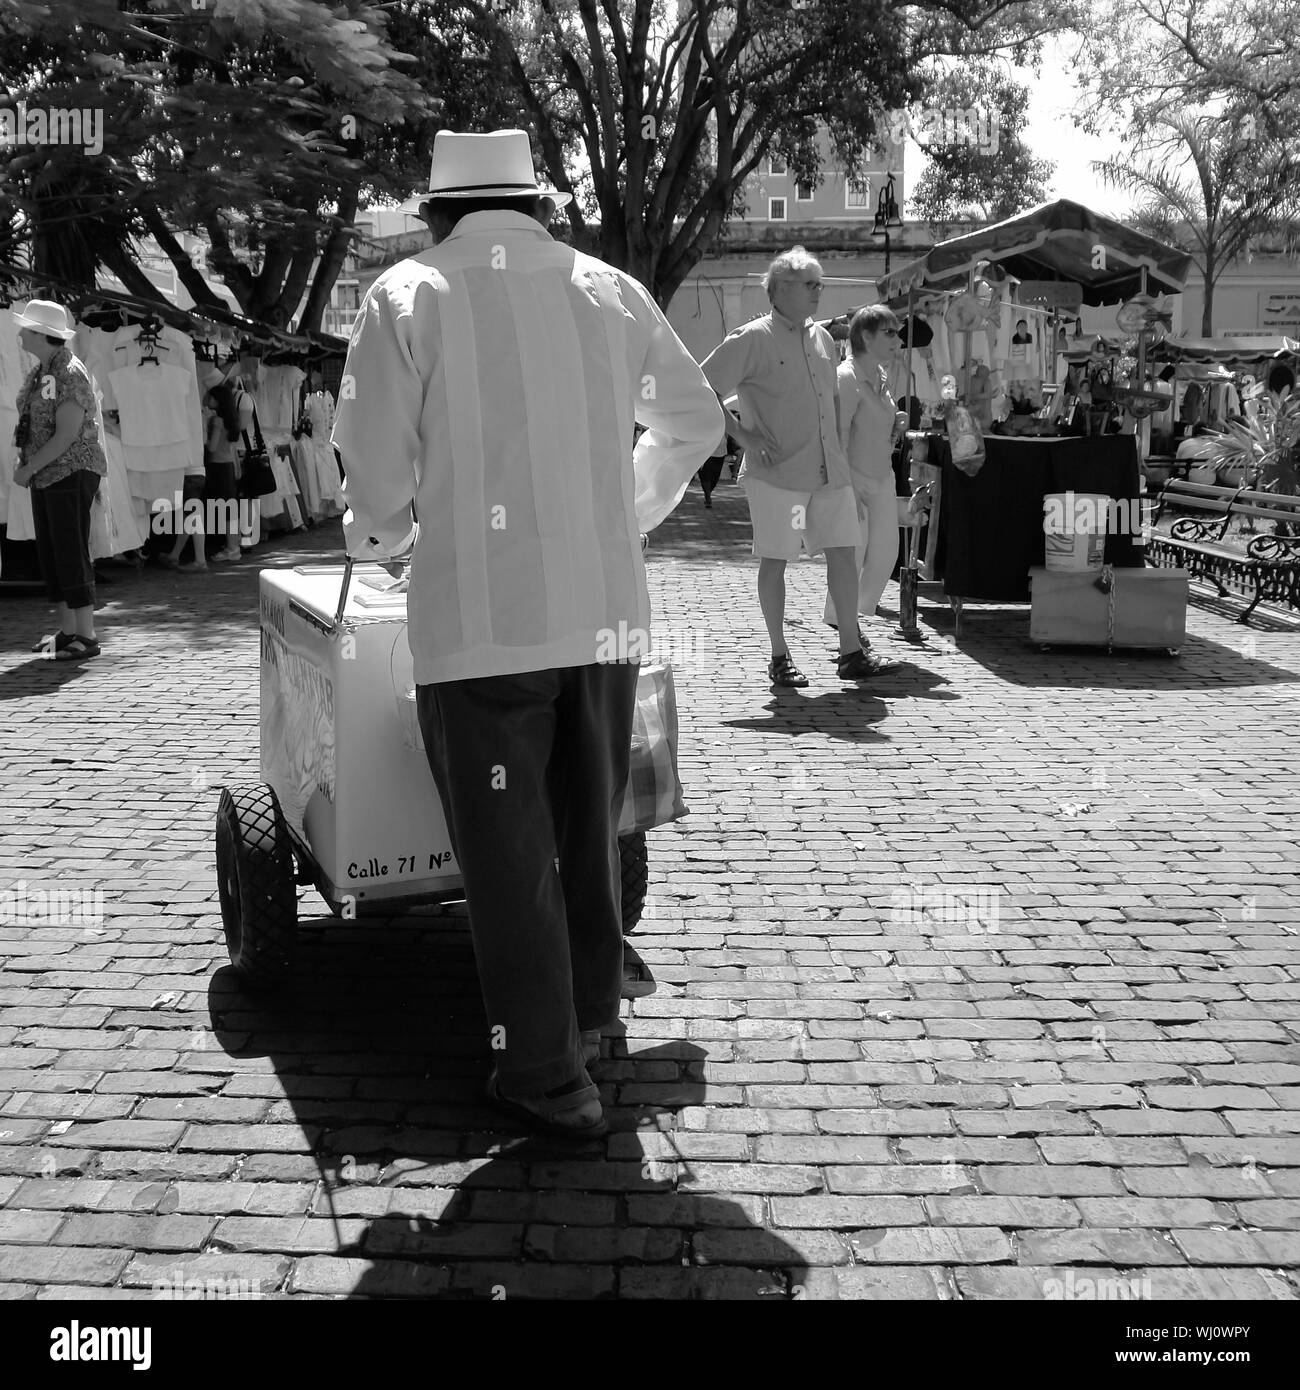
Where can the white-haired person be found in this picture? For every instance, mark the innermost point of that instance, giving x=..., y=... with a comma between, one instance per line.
x=61, y=459
x=781, y=368
x=870, y=425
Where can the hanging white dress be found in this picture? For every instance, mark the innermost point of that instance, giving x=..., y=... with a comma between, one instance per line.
x=276, y=396
x=320, y=461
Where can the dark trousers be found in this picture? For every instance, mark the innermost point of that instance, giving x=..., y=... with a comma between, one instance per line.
x=710, y=472
x=61, y=520
x=531, y=770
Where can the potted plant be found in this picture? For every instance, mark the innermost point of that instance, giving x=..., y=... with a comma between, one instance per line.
x=1262, y=452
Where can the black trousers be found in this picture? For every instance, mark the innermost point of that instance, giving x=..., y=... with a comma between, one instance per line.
x=61, y=520
x=531, y=770
x=710, y=472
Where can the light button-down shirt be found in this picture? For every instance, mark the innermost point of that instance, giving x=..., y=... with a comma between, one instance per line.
x=491, y=389
x=783, y=375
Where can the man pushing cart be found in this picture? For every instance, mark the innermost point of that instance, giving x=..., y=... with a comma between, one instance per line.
x=491, y=389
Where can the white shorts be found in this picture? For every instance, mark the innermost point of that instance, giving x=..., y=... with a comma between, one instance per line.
x=786, y=522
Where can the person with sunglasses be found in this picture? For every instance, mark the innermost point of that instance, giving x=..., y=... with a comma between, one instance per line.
x=871, y=424
x=781, y=368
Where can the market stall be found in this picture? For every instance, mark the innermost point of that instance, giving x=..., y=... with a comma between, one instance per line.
x=144, y=359
x=1001, y=430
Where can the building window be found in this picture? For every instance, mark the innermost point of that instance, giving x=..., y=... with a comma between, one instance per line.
x=777, y=166
x=857, y=193
x=803, y=193
x=776, y=209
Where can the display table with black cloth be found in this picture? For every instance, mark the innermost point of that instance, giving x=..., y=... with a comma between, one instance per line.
x=991, y=526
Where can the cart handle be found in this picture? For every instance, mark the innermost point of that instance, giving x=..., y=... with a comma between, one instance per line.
x=346, y=586
x=343, y=593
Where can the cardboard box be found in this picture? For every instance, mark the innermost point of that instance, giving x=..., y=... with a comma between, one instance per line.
x=1149, y=608
x=333, y=747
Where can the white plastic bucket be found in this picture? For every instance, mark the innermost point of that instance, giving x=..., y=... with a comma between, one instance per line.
x=1074, y=530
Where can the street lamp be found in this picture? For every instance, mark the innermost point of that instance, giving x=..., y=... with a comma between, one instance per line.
x=887, y=217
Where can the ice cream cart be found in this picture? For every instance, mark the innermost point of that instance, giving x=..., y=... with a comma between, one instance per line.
x=347, y=801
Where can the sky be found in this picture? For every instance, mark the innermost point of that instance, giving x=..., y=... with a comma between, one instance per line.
x=1051, y=134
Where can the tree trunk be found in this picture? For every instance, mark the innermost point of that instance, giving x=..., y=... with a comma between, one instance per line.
x=130, y=274
x=330, y=264
x=1207, y=299
x=199, y=290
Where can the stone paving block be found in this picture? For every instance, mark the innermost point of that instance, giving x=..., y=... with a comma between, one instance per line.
x=1006, y=1212
x=875, y=1282
x=29, y=1227
x=1154, y=1212
x=1096, y=1245
x=61, y=1264
x=227, y=1276
x=931, y=1245
x=1061, y=1180
x=1267, y=1248
x=121, y=1134
x=731, y=1285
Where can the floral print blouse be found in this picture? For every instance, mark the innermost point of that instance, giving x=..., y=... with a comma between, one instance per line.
x=43, y=392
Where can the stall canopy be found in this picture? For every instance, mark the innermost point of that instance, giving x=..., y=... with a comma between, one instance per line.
x=1233, y=354
x=1055, y=241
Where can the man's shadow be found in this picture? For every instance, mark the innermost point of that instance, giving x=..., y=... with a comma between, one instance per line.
x=431, y=1192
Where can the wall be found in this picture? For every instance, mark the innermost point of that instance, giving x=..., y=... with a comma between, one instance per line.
x=828, y=198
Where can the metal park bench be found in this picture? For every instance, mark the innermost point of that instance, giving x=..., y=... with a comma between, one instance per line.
x=1268, y=570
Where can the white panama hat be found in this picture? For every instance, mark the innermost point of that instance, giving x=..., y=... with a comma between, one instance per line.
x=45, y=316
x=496, y=165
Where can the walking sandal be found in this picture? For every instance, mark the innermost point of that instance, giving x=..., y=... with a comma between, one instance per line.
x=77, y=648
x=782, y=671
x=562, y=1113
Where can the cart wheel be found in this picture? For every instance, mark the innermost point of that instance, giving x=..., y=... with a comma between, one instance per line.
x=635, y=872
x=255, y=878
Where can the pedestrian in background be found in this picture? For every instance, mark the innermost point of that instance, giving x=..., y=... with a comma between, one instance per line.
x=871, y=424
x=781, y=368
x=497, y=380
x=230, y=413
x=712, y=469
x=61, y=459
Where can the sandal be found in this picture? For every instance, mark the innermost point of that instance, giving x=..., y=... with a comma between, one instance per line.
x=76, y=649
x=570, y=1114
x=54, y=641
x=857, y=666
x=782, y=671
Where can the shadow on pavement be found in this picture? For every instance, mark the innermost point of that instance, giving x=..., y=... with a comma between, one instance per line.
x=429, y=1192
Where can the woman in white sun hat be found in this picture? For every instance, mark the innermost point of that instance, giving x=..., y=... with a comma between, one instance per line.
x=61, y=459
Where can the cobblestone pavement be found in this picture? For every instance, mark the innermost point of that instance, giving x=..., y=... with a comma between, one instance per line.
x=976, y=983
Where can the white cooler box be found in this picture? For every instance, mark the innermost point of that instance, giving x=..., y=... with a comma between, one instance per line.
x=338, y=743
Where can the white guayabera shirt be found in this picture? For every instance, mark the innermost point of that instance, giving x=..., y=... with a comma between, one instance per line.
x=495, y=381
